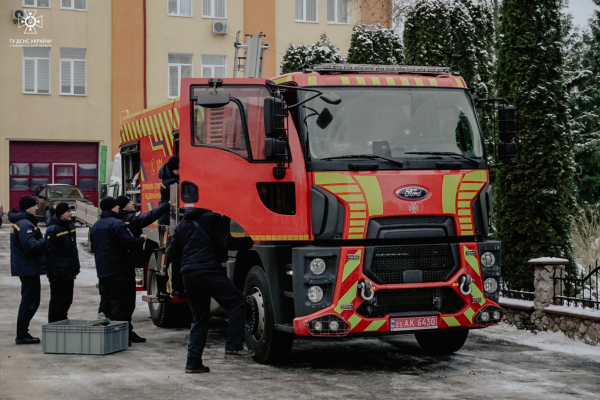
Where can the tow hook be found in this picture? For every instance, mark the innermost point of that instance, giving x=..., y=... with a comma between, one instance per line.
x=366, y=289
x=465, y=284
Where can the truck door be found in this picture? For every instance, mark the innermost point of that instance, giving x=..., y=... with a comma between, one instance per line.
x=224, y=168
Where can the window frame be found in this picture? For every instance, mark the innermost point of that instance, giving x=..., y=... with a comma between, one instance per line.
x=178, y=65
x=178, y=14
x=36, y=4
x=212, y=66
x=304, y=6
x=72, y=61
x=72, y=8
x=212, y=9
x=35, y=74
x=336, y=12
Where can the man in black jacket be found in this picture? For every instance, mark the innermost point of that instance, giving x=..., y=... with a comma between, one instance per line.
x=27, y=261
x=62, y=262
x=169, y=173
x=111, y=242
x=136, y=223
x=199, y=244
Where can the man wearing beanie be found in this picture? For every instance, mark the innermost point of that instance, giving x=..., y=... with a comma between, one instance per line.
x=27, y=261
x=62, y=262
x=169, y=173
x=111, y=243
x=136, y=223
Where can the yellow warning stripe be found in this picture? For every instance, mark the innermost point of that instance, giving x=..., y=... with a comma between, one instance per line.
x=62, y=233
x=390, y=81
x=312, y=80
x=284, y=79
x=354, y=320
x=375, y=325
x=16, y=226
x=360, y=80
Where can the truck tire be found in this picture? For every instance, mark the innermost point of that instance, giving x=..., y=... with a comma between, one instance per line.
x=165, y=315
x=270, y=346
x=442, y=342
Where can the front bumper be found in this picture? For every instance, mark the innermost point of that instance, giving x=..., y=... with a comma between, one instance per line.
x=429, y=294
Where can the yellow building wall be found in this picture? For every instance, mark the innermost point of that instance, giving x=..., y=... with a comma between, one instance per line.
x=291, y=32
x=55, y=117
x=169, y=34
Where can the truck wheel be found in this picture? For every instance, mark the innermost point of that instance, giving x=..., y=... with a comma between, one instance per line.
x=441, y=342
x=165, y=315
x=269, y=345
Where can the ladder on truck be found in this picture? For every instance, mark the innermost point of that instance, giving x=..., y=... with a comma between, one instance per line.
x=252, y=65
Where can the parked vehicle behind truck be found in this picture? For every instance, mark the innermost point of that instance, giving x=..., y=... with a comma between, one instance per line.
x=365, y=189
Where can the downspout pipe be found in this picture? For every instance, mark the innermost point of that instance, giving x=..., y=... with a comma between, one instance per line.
x=145, y=62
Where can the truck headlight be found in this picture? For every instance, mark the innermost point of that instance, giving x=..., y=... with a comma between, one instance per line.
x=315, y=294
x=317, y=266
x=488, y=259
x=490, y=285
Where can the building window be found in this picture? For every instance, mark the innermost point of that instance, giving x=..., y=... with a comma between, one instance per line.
x=214, y=8
x=180, y=66
x=36, y=70
x=306, y=11
x=338, y=11
x=214, y=66
x=36, y=3
x=180, y=8
x=80, y=5
x=73, y=72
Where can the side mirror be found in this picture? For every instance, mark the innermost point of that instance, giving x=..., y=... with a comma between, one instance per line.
x=274, y=117
x=213, y=100
x=324, y=119
x=276, y=149
x=331, y=98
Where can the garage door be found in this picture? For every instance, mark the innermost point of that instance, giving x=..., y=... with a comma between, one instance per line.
x=37, y=163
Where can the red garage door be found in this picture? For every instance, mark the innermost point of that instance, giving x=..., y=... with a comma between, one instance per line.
x=36, y=163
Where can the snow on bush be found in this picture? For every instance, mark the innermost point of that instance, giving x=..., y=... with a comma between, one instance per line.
x=299, y=57
x=375, y=44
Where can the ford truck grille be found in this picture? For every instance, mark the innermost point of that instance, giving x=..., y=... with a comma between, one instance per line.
x=435, y=261
x=444, y=300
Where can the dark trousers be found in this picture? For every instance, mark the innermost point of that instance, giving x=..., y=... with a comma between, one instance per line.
x=200, y=287
x=61, y=298
x=30, y=302
x=117, y=296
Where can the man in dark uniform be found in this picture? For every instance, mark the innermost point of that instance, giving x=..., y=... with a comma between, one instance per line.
x=111, y=242
x=136, y=223
x=169, y=173
x=62, y=262
x=199, y=245
x=27, y=261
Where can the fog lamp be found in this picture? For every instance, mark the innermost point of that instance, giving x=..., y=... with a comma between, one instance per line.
x=496, y=314
x=485, y=316
x=318, y=326
x=490, y=285
x=334, y=325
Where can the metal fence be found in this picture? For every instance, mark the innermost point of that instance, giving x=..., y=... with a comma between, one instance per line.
x=509, y=292
x=580, y=290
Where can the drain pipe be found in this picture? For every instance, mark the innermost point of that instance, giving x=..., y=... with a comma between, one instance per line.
x=145, y=62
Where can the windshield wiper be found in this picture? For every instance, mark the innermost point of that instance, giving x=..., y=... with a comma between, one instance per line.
x=443, y=153
x=367, y=156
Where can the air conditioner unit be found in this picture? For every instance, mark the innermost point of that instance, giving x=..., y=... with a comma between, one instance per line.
x=17, y=15
x=220, y=28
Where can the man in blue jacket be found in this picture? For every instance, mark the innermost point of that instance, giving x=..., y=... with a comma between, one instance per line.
x=111, y=242
x=136, y=222
x=62, y=262
x=27, y=261
x=199, y=244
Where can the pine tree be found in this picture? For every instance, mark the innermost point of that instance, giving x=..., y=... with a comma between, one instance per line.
x=300, y=57
x=375, y=44
x=534, y=195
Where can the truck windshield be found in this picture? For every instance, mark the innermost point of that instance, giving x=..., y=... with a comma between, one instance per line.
x=392, y=122
x=65, y=192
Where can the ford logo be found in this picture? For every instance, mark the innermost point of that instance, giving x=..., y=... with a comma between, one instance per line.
x=412, y=193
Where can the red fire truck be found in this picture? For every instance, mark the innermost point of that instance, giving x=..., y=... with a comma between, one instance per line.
x=365, y=188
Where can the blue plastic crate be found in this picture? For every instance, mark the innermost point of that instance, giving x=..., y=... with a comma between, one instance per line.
x=71, y=336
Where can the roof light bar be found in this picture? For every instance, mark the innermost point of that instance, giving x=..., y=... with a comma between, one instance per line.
x=378, y=69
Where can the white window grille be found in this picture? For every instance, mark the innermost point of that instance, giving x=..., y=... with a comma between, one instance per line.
x=307, y=11
x=214, y=9
x=80, y=5
x=36, y=70
x=73, y=72
x=338, y=11
x=214, y=66
x=36, y=3
x=180, y=66
x=180, y=8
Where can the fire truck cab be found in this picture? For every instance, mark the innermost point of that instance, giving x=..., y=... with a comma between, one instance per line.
x=366, y=191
